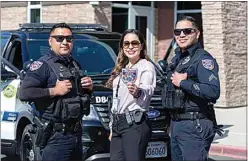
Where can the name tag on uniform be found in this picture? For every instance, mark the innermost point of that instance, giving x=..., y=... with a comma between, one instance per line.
x=115, y=104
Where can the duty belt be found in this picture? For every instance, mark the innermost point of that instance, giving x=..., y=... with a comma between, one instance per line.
x=61, y=127
x=131, y=117
x=187, y=116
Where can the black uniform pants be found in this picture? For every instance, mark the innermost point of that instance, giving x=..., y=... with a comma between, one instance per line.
x=63, y=147
x=129, y=143
x=191, y=143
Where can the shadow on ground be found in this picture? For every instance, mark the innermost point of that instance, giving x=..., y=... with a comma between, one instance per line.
x=225, y=134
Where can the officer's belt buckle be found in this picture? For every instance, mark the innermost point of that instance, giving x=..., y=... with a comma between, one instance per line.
x=63, y=128
x=192, y=114
x=59, y=127
x=176, y=116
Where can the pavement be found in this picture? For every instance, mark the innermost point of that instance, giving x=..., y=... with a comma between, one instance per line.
x=234, y=141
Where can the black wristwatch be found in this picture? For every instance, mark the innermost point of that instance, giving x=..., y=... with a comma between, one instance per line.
x=138, y=93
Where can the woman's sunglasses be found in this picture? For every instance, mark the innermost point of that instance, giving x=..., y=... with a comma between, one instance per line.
x=134, y=43
x=186, y=31
x=60, y=38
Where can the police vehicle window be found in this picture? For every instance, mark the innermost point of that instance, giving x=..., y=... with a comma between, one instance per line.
x=94, y=56
x=114, y=44
x=37, y=48
x=4, y=40
x=15, y=56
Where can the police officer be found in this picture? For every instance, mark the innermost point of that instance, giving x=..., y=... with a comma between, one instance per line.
x=51, y=84
x=195, y=88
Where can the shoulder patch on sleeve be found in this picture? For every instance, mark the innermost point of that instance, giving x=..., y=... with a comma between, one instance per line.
x=208, y=64
x=35, y=65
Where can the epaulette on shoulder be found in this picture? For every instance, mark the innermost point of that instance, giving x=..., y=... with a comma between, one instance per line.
x=45, y=57
x=204, y=52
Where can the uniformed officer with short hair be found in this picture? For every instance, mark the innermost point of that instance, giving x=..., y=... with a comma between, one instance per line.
x=193, y=73
x=51, y=84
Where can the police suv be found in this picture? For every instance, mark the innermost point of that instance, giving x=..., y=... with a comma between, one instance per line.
x=95, y=49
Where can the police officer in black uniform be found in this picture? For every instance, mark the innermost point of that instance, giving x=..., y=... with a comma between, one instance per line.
x=192, y=88
x=61, y=94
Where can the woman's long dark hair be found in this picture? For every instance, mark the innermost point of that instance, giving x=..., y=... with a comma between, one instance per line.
x=122, y=59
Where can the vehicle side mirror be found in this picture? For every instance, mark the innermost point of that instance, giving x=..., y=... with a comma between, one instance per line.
x=25, y=68
x=162, y=64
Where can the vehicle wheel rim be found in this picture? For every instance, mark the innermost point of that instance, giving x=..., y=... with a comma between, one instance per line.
x=28, y=152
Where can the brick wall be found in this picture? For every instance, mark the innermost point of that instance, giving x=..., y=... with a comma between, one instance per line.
x=235, y=46
x=103, y=14
x=78, y=13
x=11, y=17
x=69, y=13
x=156, y=56
x=165, y=26
x=224, y=29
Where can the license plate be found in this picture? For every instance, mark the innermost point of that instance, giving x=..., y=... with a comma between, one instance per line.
x=156, y=149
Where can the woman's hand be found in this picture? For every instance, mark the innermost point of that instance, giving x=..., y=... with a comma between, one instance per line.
x=133, y=89
x=87, y=83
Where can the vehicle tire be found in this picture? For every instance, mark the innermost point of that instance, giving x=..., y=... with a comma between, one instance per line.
x=28, y=150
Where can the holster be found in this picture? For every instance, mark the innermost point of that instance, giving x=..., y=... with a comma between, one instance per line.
x=42, y=135
x=211, y=114
x=217, y=128
x=135, y=116
x=42, y=138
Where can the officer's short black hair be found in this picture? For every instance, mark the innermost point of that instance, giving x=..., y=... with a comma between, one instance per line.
x=60, y=25
x=190, y=19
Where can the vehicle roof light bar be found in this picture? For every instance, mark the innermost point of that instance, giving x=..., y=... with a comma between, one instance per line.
x=74, y=26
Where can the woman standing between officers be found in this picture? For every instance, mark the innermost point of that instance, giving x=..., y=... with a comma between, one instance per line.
x=133, y=80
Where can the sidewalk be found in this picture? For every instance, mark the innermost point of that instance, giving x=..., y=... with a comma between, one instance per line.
x=233, y=143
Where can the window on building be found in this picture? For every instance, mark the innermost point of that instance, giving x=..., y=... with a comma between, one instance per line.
x=34, y=2
x=121, y=2
x=34, y=12
x=193, y=9
x=119, y=19
x=141, y=3
x=188, y=5
x=141, y=24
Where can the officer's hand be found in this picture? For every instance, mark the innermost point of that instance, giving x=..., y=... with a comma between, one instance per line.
x=178, y=77
x=110, y=135
x=62, y=87
x=86, y=83
x=132, y=88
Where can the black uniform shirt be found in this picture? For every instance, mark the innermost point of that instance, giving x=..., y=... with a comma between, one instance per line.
x=203, y=79
x=40, y=77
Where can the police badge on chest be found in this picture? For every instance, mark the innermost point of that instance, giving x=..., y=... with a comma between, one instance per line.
x=186, y=60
